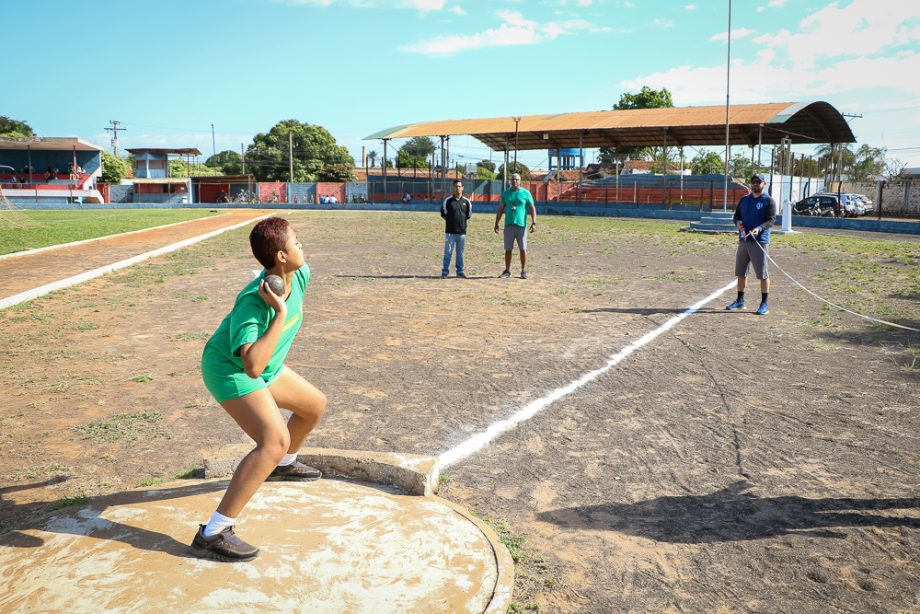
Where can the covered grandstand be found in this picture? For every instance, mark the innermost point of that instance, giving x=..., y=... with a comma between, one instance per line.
x=50, y=170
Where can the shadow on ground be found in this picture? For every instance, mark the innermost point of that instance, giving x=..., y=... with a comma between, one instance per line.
x=79, y=518
x=734, y=515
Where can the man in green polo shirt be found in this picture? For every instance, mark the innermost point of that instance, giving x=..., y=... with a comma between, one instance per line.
x=516, y=203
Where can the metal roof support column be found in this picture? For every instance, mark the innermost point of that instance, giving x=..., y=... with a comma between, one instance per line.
x=664, y=165
x=517, y=121
x=581, y=164
x=384, y=165
x=759, y=143
x=728, y=73
x=505, y=169
x=443, y=165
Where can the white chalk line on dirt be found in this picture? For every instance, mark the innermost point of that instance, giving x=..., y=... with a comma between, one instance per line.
x=480, y=440
x=29, y=252
x=28, y=295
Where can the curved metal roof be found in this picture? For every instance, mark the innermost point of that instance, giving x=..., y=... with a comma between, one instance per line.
x=802, y=122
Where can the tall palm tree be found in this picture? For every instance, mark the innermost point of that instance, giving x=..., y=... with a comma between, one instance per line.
x=372, y=156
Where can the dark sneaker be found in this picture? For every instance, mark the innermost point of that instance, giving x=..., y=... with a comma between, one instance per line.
x=461, y=275
x=225, y=546
x=295, y=471
x=523, y=274
x=505, y=273
x=762, y=310
x=443, y=275
x=738, y=304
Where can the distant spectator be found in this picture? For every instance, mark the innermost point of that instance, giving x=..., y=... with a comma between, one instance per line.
x=407, y=198
x=332, y=199
x=323, y=199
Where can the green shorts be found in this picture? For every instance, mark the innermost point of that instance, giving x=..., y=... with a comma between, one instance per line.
x=226, y=380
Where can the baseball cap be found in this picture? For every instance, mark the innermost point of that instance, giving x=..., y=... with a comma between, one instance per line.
x=759, y=176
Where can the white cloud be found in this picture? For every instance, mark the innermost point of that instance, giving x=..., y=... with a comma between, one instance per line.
x=753, y=81
x=663, y=23
x=629, y=5
x=583, y=3
x=737, y=34
x=866, y=46
x=690, y=7
x=457, y=10
x=864, y=27
x=761, y=9
x=775, y=4
x=515, y=30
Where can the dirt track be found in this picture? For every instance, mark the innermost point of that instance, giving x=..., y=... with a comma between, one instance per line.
x=736, y=463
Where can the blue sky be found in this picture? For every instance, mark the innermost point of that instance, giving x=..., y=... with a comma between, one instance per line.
x=169, y=69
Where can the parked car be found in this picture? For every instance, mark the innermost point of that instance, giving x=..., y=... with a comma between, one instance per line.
x=818, y=204
x=830, y=205
x=864, y=201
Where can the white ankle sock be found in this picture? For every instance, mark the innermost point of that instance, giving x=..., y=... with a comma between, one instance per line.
x=288, y=459
x=218, y=523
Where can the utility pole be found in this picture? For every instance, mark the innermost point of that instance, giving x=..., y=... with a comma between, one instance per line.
x=728, y=73
x=213, y=142
x=243, y=156
x=291, y=153
x=115, y=130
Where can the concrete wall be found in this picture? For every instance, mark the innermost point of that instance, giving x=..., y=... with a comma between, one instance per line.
x=899, y=198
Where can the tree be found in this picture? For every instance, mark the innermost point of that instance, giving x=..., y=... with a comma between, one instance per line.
x=14, y=129
x=487, y=164
x=114, y=168
x=741, y=166
x=894, y=168
x=419, y=146
x=647, y=98
x=514, y=167
x=181, y=168
x=317, y=156
x=372, y=157
x=707, y=163
x=405, y=159
x=868, y=164
x=228, y=162
x=837, y=158
x=415, y=153
x=484, y=173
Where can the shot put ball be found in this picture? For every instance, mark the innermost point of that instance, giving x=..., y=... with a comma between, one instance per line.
x=276, y=284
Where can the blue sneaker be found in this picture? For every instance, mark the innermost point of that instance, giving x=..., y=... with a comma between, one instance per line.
x=762, y=310
x=738, y=304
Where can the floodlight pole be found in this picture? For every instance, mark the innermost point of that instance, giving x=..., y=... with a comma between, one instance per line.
x=728, y=72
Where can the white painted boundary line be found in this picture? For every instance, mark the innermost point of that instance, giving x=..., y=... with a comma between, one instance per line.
x=28, y=295
x=27, y=252
x=481, y=439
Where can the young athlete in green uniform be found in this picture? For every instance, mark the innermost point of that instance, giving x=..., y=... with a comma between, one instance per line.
x=243, y=367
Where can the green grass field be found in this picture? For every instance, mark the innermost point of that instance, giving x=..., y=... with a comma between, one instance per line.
x=56, y=227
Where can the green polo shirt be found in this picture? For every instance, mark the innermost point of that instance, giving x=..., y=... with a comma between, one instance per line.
x=516, y=202
x=221, y=365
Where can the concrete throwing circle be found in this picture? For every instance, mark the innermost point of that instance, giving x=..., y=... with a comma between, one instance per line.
x=326, y=546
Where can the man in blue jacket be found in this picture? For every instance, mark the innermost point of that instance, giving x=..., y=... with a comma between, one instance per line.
x=754, y=216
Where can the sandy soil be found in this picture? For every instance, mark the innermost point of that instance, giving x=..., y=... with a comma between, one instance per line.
x=736, y=463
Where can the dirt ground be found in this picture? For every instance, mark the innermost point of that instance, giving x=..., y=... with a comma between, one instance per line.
x=736, y=463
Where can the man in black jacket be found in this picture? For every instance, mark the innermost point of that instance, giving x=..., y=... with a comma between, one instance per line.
x=456, y=211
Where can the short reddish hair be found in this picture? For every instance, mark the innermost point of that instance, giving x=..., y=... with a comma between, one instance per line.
x=267, y=238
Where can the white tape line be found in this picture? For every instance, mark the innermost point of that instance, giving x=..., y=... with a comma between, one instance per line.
x=37, y=250
x=28, y=295
x=480, y=440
